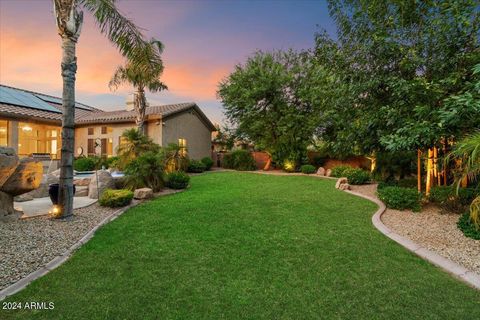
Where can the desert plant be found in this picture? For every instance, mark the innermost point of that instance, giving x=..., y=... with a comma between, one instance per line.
x=208, y=162
x=400, y=198
x=145, y=171
x=339, y=171
x=115, y=198
x=195, y=166
x=177, y=180
x=307, y=169
x=357, y=176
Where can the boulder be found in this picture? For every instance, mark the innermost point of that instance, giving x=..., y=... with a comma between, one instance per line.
x=23, y=197
x=8, y=162
x=321, y=171
x=341, y=181
x=81, y=191
x=328, y=173
x=26, y=177
x=344, y=186
x=55, y=173
x=84, y=182
x=105, y=181
x=143, y=193
x=7, y=211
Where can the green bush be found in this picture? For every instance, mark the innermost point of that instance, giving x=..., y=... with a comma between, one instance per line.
x=449, y=200
x=357, y=176
x=208, y=162
x=468, y=228
x=177, y=180
x=85, y=164
x=318, y=161
x=145, y=171
x=339, y=171
x=440, y=194
x=307, y=169
x=400, y=198
x=115, y=198
x=195, y=166
x=239, y=160
x=408, y=183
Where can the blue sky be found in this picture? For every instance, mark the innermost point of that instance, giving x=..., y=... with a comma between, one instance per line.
x=203, y=42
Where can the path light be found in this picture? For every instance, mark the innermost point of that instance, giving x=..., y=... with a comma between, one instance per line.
x=55, y=211
x=289, y=165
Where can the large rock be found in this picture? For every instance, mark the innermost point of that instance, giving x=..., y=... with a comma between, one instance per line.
x=42, y=190
x=83, y=182
x=7, y=212
x=341, y=181
x=8, y=163
x=81, y=191
x=321, y=171
x=328, y=173
x=143, y=193
x=105, y=181
x=26, y=177
x=344, y=186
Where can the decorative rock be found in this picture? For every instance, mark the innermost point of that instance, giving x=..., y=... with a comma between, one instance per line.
x=81, y=191
x=328, y=173
x=23, y=197
x=6, y=204
x=105, y=181
x=56, y=173
x=341, y=181
x=143, y=193
x=8, y=163
x=344, y=186
x=82, y=182
x=321, y=171
x=27, y=177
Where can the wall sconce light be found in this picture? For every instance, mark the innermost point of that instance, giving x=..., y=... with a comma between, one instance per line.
x=27, y=128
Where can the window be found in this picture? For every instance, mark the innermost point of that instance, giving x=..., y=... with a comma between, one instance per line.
x=182, y=144
x=91, y=147
x=3, y=132
x=90, y=131
x=38, y=138
x=107, y=130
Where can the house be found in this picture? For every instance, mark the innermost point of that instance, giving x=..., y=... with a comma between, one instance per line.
x=30, y=122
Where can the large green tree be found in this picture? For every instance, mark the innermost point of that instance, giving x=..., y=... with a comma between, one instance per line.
x=267, y=100
x=144, y=75
x=397, y=65
x=121, y=32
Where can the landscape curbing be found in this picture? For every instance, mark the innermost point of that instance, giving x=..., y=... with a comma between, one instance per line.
x=58, y=260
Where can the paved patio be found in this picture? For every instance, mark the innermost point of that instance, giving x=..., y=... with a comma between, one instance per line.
x=41, y=206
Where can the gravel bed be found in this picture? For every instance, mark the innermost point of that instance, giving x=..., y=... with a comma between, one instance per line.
x=433, y=230
x=26, y=245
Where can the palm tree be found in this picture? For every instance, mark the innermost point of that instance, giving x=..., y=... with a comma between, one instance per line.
x=141, y=76
x=134, y=144
x=468, y=151
x=120, y=31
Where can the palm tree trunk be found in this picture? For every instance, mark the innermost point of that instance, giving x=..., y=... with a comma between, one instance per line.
x=140, y=104
x=69, y=68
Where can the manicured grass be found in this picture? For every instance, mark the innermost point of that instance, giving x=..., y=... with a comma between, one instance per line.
x=242, y=245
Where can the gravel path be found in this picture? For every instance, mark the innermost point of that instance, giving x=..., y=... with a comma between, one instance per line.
x=26, y=245
x=433, y=230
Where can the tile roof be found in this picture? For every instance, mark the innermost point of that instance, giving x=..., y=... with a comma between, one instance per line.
x=127, y=116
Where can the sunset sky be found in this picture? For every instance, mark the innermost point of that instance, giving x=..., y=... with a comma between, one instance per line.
x=203, y=41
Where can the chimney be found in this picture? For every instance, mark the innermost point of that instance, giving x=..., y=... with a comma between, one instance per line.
x=129, y=102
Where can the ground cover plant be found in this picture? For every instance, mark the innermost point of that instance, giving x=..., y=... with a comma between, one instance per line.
x=225, y=249
x=400, y=198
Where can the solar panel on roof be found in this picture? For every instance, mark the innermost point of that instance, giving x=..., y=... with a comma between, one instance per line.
x=59, y=101
x=24, y=99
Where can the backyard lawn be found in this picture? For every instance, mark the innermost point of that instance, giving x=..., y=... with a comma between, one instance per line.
x=250, y=246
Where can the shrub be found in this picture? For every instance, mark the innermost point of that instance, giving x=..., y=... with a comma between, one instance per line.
x=239, y=160
x=400, y=198
x=208, y=162
x=85, y=164
x=468, y=228
x=307, y=169
x=196, y=166
x=357, y=176
x=111, y=162
x=339, y=171
x=175, y=158
x=318, y=161
x=408, y=183
x=177, y=180
x=115, y=198
x=440, y=194
x=145, y=171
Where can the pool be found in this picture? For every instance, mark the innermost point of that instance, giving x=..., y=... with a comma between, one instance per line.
x=89, y=174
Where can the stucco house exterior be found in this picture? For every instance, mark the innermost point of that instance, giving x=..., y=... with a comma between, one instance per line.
x=30, y=122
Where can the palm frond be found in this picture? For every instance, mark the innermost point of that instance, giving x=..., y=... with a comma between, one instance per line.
x=156, y=86
x=119, y=77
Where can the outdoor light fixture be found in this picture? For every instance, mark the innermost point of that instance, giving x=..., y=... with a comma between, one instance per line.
x=27, y=128
x=55, y=211
x=3, y=130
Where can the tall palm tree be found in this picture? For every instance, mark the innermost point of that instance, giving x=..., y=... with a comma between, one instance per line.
x=141, y=76
x=120, y=31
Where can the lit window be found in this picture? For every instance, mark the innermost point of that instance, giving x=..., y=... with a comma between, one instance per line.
x=182, y=144
x=3, y=132
x=38, y=138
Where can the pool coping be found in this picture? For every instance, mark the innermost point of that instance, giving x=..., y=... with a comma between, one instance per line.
x=60, y=259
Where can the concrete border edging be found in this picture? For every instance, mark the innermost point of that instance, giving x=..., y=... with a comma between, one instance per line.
x=461, y=273
x=58, y=260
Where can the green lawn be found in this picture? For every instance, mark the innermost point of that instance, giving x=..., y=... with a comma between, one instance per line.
x=241, y=245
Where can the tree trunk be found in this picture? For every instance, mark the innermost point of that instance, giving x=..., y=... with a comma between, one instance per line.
x=419, y=170
x=69, y=68
x=140, y=104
